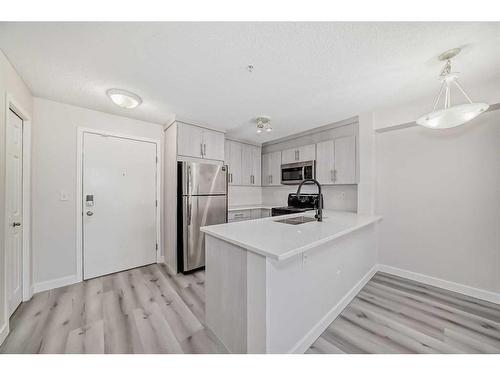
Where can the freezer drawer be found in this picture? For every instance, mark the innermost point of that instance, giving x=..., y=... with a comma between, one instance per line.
x=200, y=211
x=203, y=178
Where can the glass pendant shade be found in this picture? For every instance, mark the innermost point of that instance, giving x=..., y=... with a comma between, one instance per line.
x=451, y=115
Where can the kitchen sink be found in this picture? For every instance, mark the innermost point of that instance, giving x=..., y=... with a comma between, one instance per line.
x=296, y=220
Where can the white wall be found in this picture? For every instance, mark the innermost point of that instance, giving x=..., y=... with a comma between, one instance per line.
x=11, y=83
x=54, y=142
x=439, y=195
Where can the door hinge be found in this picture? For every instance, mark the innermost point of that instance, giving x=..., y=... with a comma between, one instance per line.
x=156, y=247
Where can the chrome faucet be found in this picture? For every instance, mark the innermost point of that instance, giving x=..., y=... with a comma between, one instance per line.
x=319, y=209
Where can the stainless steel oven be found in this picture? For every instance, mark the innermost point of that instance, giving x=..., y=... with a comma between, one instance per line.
x=295, y=173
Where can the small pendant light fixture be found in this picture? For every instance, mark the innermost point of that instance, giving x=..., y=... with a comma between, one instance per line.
x=263, y=123
x=451, y=115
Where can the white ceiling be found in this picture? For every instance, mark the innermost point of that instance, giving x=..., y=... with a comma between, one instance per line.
x=306, y=74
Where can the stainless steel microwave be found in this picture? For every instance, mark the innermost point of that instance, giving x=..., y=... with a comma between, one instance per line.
x=295, y=173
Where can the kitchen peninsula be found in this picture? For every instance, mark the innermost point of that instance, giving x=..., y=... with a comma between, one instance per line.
x=274, y=286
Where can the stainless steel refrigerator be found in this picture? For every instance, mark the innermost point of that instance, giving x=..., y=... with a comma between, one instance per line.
x=202, y=200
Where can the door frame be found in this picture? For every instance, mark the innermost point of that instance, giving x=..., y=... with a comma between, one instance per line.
x=79, y=191
x=26, y=268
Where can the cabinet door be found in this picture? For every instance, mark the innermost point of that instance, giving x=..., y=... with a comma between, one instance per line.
x=325, y=162
x=234, y=162
x=266, y=169
x=275, y=161
x=189, y=141
x=257, y=165
x=306, y=153
x=246, y=165
x=289, y=156
x=213, y=145
x=345, y=160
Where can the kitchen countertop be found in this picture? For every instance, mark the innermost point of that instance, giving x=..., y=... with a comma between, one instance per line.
x=280, y=241
x=252, y=207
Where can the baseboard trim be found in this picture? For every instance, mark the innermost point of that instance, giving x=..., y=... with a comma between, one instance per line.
x=320, y=327
x=4, y=332
x=444, y=284
x=55, y=283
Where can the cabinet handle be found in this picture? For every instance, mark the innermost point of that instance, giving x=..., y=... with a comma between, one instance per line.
x=334, y=175
x=204, y=149
x=201, y=149
x=331, y=175
x=298, y=155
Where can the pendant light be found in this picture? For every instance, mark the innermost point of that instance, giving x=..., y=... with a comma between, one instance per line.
x=451, y=115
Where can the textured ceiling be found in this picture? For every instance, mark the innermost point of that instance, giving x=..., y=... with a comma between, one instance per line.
x=305, y=75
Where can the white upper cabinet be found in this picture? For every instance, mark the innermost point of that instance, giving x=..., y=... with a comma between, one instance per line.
x=271, y=169
x=244, y=163
x=325, y=162
x=199, y=142
x=189, y=141
x=298, y=154
x=345, y=160
x=251, y=165
x=213, y=145
x=336, y=161
x=256, y=165
x=233, y=160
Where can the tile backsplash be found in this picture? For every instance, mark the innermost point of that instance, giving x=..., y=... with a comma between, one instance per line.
x=339, y=197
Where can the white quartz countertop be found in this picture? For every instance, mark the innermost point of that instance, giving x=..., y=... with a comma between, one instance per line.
x=280, y=241
x=251, y=207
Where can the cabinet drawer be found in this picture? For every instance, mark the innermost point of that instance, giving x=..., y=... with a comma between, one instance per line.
x=239, y=215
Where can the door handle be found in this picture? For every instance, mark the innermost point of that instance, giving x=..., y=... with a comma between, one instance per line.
x=16, y=224
x=89, y=213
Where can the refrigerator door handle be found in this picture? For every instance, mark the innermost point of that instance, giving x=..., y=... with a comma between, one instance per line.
x=189, y=209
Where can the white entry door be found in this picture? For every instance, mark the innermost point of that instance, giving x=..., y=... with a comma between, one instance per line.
x=14, y=206
x=119, y=204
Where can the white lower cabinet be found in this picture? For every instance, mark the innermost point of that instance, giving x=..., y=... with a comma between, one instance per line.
x=336, y=161
x=248, y=214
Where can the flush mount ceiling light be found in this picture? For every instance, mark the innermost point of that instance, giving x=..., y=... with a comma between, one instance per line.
x=451, y=115
x=263, y=123
x=123, y=98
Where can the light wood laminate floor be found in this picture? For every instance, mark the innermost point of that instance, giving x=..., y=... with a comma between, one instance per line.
x=144, y=310
x=396, y=315
x=147, y=310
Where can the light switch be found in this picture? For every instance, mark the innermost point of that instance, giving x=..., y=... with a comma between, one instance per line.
x=64, y=195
